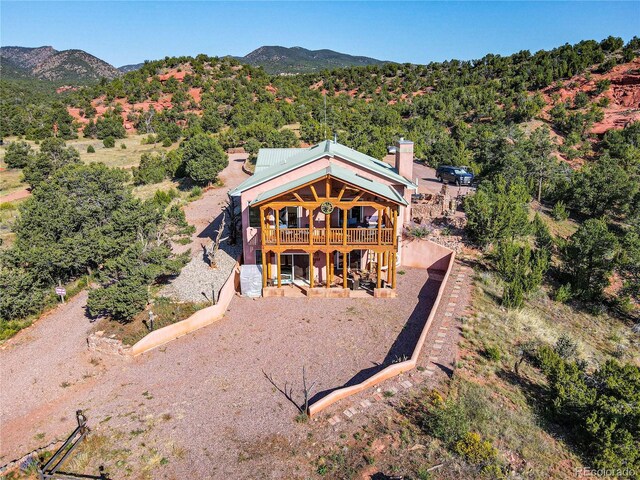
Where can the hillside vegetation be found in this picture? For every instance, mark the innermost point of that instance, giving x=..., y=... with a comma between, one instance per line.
x=549, y=377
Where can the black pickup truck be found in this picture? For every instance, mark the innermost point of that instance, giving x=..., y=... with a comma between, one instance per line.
x=457, y=175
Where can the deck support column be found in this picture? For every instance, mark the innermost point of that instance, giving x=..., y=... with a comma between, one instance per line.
x=379, y=231
x=269, y=260
x=344, y=227
x=279, y=270
x=311, y=270
x=326, y=275
x=378, y=279
x=276, y=212
x=392, y=266
x=310, y=210
x=344, y=269
x=264, y=269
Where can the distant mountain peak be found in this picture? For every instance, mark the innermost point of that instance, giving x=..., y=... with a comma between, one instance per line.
x=278, y=59
x=47, y=63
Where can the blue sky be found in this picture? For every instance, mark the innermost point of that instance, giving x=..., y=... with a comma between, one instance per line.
x=419, y=32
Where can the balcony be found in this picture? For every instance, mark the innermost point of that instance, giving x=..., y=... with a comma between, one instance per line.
x=354, y=236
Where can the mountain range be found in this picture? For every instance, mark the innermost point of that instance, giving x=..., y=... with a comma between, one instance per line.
x=275, y=59
x=78, y=66
x=47, y=63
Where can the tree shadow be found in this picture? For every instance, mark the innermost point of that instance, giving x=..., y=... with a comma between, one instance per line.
x=404, y=345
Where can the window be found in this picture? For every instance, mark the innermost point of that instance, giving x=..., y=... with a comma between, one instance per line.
x=354, y=216
x=254, y=217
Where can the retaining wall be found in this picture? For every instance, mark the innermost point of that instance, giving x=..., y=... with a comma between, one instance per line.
x=417, y=253
x=200, y=319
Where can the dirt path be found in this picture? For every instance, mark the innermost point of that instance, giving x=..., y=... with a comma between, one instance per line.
x=13, y=196
x=201, y=212
x=47, y=368
x=45, y=361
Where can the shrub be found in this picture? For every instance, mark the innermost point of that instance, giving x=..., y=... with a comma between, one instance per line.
x=18, y=155
x=559, y=211
x=109, y=142
x=417, y=231
x=566, y=348
x=155, y=168
x=602, y=85
x=196, y=192
x=475, y=450
x=602, y=408
x=90, y=149
x=123, y=146
x=521, y=269
x=581, y=100
x=563, y=293
x=22, y=294
x=492, y=353
x=166, y=142
x=446, y=420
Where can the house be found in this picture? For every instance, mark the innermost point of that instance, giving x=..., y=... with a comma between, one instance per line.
x=326, y=218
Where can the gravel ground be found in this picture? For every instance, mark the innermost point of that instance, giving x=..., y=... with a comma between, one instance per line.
x=205, y=395
x=197, y=279
x=202, y=402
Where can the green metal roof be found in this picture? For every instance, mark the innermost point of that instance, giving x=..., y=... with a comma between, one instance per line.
x=338, y=173
x=269, y=157
x=285, y=160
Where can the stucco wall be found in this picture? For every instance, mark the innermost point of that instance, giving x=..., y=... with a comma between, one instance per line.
x=435, y=257
x=200, y=319
x=251, y=236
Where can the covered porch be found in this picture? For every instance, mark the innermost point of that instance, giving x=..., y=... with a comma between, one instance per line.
x=327, y=232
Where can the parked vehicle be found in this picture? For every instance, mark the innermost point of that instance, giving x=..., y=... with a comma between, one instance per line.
x=457, y=175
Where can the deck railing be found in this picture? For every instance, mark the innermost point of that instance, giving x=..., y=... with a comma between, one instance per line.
x=355, y=236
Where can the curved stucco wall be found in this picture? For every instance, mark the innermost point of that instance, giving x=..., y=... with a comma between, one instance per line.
x=420, y=254
x=200, y=319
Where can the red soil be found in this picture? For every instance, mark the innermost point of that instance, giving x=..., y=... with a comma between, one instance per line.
x=624, y=95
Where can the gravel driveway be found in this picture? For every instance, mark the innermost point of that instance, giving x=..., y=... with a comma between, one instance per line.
x=205, y=395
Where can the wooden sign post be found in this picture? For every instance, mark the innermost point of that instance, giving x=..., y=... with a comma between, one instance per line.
x=60, y=290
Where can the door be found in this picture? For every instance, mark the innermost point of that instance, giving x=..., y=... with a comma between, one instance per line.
x=295, y=268
x=289, y=217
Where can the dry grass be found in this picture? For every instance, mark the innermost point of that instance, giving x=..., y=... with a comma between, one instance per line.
x=119, y=157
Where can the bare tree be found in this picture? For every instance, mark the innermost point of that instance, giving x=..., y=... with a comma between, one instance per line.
x=287, y=391
x=235, y=220
x=213, y=247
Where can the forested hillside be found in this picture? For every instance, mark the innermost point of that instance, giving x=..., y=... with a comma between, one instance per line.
x=553, y=226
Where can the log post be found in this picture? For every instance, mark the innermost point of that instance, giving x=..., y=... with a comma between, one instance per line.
x=310, y=269
x=276, y=212
x=326, y=275
x=264, y=269
x=379, y=272
x=344, y=269
x=310, y=210
x=279, y=270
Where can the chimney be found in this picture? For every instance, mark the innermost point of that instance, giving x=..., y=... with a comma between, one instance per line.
x=404, y=158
